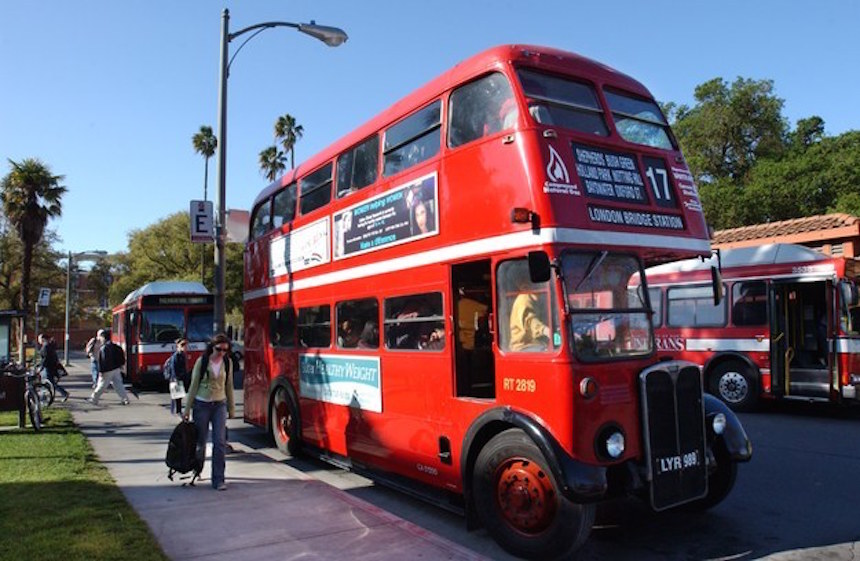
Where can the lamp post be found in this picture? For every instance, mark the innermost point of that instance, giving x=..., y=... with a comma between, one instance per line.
x=331, y=36
x=82, y=256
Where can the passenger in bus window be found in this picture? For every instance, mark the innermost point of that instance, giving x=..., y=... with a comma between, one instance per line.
x=529, y=331
x=369, y=338
x=347, y=334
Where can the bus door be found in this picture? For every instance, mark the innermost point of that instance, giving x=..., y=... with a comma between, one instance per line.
x=472, y=338
x=800, y=353
x=131, y=351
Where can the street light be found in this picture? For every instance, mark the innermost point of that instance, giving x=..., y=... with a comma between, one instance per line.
x=331, y=36
x=81, y=256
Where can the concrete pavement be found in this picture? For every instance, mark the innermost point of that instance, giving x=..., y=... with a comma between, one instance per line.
x=270, y=510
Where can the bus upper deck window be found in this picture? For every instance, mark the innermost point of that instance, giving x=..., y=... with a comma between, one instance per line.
x=284, y=206
x=262, y=220
x=639, y=120
x=316, y=189
x=480, y=108
x=562, y=102
x=413, y=140
x=357, y=167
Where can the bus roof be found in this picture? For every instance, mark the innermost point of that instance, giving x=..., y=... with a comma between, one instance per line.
x=771, y=254
x=166, y=287
x=533, y=56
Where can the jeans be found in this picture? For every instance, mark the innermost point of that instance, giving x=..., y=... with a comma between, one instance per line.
x=94, y=370
x=212, y=413
x=52, y=376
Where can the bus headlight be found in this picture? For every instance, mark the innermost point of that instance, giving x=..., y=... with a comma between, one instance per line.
x=615, y=445
x=719, y=423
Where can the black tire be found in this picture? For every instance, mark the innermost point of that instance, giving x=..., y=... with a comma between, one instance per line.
x=34, y=410
x=720, y=482
x=736, y=384
x=519, y=501
x=285, y=424
x=46, y=392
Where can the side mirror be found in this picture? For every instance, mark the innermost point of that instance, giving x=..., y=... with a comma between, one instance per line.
x=717, y=285
x=539, y=267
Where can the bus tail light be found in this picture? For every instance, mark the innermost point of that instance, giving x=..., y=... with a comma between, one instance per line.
x=521, y=215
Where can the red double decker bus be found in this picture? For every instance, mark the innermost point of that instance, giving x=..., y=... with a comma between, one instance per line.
x=151, y=319
x=447, y=298
x=789, y=327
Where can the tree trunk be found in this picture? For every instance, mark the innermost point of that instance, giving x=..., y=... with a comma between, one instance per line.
x=25, y=297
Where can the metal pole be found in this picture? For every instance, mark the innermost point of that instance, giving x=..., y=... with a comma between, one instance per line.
x=68, y=299
x=220, y=197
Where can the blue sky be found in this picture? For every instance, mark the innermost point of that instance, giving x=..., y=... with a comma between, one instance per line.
x=109, y=93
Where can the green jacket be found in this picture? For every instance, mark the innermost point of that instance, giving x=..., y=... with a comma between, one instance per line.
x=211, y=387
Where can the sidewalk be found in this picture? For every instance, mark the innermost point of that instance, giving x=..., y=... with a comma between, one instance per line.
x=270, y=511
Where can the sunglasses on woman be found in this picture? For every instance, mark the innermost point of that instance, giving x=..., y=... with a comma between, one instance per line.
x=223, y=349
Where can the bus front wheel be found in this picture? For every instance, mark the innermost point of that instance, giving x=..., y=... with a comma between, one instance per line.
x=736, y=385
x=519, y=502
x=284, y=418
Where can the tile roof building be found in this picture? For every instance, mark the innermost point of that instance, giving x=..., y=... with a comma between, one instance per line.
x=832, y=234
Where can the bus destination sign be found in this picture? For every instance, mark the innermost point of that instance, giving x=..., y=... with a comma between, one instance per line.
x=609, y=175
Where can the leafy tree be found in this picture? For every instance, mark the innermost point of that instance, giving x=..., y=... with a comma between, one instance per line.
x=730, y=128
x=272, y=162
x=288, y=132
x=205, y=143
x=163, y=251
x=31, y=195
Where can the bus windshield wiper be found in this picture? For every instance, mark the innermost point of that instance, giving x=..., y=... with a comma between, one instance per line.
x=592, y=266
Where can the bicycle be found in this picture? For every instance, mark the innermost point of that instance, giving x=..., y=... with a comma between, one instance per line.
x=32, y=389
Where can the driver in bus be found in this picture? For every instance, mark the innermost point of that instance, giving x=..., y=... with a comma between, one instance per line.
x=529, y=331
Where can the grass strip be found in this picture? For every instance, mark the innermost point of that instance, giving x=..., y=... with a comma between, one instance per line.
x=57, y=502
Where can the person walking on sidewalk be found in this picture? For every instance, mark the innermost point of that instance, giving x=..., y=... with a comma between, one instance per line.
x=111, y=359
x=50, y=363
x=210, y=396
x=93, y=347
x=179, y=373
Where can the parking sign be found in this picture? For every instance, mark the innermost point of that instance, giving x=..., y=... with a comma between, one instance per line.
x=202, y=230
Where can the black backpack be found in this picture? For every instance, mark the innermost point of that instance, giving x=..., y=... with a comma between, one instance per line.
x=182, y=451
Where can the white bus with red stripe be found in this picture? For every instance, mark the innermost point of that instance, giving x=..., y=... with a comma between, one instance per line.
x=788, y=327
x=150, y=320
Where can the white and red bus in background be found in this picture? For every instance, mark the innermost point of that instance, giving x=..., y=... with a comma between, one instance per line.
x=441, y=299
x=788, y=328
x=152, y=318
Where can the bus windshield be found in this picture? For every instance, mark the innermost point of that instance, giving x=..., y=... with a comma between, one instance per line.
x=200, y=325
x=161, y=326
x=607, y=319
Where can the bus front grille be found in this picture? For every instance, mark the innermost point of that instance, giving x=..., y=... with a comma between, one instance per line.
x=674, y=433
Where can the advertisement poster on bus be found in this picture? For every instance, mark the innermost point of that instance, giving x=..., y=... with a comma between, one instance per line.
x=305, y=248
x=342, y=380
x=405, y=213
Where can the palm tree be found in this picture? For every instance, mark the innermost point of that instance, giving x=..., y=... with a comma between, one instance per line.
x=288, y=132
x=31, y=195
x=272, y=162
x=205, y=143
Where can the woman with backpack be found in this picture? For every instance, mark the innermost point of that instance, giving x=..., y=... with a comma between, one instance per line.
x=178, y=372
x=210, y=396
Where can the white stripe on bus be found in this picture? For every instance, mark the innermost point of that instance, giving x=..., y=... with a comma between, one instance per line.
x=848, y=345
x=745, y=345
x=518, y=240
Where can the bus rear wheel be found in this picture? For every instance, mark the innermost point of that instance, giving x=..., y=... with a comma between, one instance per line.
x=519, y=501
x=736, y=385
x=284, y=419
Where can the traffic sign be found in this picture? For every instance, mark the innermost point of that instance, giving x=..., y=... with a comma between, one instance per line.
x=44, y=297
x=202, y=230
